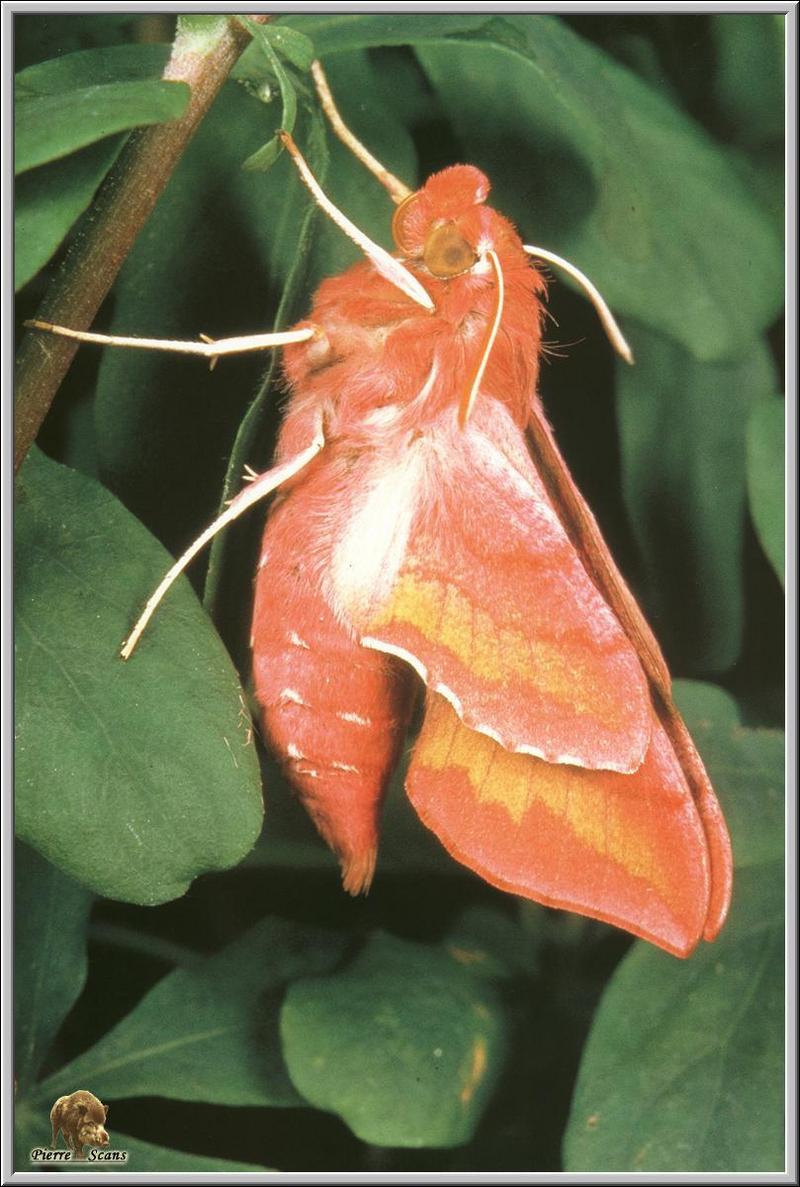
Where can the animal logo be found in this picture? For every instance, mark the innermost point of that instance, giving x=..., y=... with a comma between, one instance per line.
x=81, y=1117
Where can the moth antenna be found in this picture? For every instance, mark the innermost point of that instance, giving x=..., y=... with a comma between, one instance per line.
x=469, y=399
x=208, y=348
x=259, y=488
x=398, y=190
x=607, y=319
x=386, y=264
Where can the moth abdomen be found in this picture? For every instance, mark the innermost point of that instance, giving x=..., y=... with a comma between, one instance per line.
x=333, y=713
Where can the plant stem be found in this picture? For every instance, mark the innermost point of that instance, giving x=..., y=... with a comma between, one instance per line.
x=123, y=205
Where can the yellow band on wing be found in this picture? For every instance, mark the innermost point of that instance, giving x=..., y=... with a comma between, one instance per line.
x=448, y=619
x=515, y=781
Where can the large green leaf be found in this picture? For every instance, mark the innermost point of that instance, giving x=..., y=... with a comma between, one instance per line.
x=51, y=913
x=208, y=1032
x=766, y=477
x=133, y=778
x=405, y=1044
x=750, y=46
x=746, y=765
x=49, y=199
x=682, y=430
x=653, y=210
x=683, y=1069
x=51, y=126
x=293, y=46
x=91, y=68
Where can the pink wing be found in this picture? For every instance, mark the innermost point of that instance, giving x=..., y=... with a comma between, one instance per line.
x=627, y=849
x=482, y=592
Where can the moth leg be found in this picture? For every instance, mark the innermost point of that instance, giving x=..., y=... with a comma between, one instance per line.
x=208, y=348
x=398, y=190
x=385, y=263
x=258, y=489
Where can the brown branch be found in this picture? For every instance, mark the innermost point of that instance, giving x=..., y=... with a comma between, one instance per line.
x=123, y=205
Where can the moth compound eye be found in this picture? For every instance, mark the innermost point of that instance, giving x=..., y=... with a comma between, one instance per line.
x=447, y=253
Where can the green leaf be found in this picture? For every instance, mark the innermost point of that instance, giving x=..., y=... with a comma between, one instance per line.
x=683, y=1069
x=51, y=917
x=334, y=33
x=596, y=164
x=404, y=1044
x=49, y=199
x=208, y=1032
x=92, y=68
x=706, y=705
x=747, y=767
x=267, y=155
x=492, y=944
x=749, y=48
x=295, y=47
x=51, y=126
x=682, y=430
x=132, y=778
x=766, y=477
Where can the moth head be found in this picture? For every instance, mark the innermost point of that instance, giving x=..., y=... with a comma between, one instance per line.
x=440, y=223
